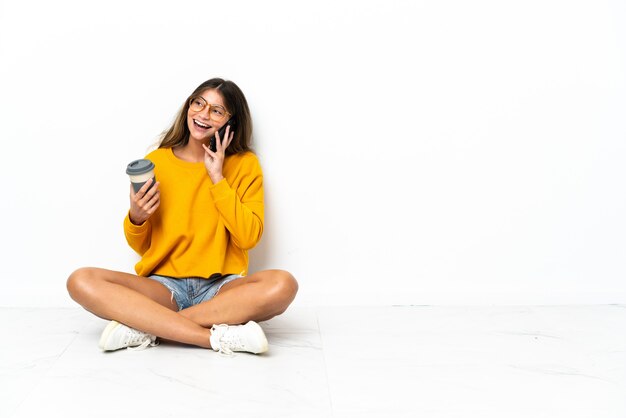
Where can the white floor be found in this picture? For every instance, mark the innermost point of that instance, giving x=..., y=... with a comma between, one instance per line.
x=414, y=361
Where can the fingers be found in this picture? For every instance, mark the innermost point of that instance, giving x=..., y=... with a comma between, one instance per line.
x=143, y=191
x=213, y=161
x=218, y=140
x=220, y=145
x=153, y=204
x=150, y=196
x=230, y=139
x=145, y=202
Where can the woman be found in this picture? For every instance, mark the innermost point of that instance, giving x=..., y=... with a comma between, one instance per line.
x=193, y=230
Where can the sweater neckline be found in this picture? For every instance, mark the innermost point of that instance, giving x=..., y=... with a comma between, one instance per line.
x=182, y=163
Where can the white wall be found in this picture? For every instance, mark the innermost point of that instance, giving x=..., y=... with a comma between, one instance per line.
x=414, y=152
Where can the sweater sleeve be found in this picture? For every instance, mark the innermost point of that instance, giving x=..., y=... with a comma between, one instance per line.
x=241, y=210
x=137, y=236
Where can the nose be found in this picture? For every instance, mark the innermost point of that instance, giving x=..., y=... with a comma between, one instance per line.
x=205, y=113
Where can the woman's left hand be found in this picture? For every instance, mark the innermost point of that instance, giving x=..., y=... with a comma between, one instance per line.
x=214, y=161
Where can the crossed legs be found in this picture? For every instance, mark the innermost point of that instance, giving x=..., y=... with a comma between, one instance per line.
x=147, y=305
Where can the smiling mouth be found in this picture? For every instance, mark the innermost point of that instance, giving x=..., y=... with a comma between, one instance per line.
x=201, y=125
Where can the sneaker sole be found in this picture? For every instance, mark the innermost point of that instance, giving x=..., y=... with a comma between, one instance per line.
x=106, y=333
x=257, y=329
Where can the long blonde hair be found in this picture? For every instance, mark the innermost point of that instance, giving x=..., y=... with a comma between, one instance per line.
x=234, y=100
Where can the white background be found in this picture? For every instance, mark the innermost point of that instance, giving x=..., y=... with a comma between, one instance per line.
x=415, y=152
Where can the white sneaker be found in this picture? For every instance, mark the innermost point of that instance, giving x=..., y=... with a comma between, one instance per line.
x=116, y=336
x=228, y=338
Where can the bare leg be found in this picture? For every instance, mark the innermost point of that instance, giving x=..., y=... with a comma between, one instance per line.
x=138, y=302
x=257, y=297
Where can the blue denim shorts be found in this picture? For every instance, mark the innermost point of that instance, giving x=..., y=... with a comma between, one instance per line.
x=193, y=290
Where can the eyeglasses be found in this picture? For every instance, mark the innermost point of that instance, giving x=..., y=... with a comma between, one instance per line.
x=216, y=112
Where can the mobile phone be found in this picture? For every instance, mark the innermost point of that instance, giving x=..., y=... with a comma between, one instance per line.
x=212, y=143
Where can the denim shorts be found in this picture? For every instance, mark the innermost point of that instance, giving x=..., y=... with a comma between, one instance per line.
x=193, y=290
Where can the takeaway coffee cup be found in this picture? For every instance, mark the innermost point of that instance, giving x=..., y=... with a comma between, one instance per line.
x=140, y=171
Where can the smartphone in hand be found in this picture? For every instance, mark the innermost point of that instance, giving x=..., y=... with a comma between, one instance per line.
x=222, y=132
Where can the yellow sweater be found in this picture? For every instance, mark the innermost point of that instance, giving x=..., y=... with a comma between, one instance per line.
x=200, y=228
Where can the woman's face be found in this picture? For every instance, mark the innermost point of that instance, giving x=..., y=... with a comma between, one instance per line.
x=202, y=126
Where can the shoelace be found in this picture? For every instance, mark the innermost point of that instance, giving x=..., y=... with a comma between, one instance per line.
x=138, y=336
x=147, y=343
x=229, y=341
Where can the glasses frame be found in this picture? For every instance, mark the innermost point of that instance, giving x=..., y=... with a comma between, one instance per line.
x=227, y=113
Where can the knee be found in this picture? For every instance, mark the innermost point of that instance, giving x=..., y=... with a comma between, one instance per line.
x=284, y=286
x=80, y=282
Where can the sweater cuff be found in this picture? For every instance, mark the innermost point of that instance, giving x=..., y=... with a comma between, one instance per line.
x=133, y=229
x=220, y=190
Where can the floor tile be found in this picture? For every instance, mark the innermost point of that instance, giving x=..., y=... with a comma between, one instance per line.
x=33, y=340
x=564, y=361
x=442, y=362
x=178, y=380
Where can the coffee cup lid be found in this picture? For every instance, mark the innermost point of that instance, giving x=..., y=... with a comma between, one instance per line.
x=139, y=166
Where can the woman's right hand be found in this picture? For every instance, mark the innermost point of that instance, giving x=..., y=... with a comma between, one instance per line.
x=142, y=204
